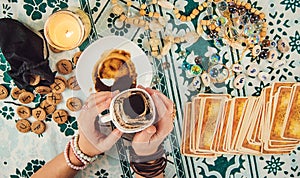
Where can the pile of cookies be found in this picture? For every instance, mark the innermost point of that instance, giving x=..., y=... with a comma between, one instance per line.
x=216, y=124
x=51, y=97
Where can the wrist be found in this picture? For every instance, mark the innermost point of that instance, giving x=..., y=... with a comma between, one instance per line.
x=86, y=147
x=134, y=157
x=82, y=156
x=145, y=152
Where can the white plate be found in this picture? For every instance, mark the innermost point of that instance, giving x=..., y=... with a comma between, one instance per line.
x=92, y=53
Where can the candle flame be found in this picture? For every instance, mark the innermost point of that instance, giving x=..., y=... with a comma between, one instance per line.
x=69, y=34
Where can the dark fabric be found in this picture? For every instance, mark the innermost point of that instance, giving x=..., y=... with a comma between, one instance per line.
x=24, y=51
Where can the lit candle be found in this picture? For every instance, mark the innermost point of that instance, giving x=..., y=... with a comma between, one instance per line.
x=67, y=29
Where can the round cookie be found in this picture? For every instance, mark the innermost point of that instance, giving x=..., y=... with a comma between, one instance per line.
x=26, y=97
x=23, y=125
x=58, y=86
x=73, y=84
x=15, y=92
x=38, y=127
x=49, y=108
x=23, y=112
x=54, y=98
x=39, y=113
x=62, y=78
x=60, y=116
x=74, y=104
x=3, y=92
x=64, y=66
x=43, y=90
x=76, y=57
x=34, y=80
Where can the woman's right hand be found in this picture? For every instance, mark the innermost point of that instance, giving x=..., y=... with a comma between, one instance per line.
x=91, y=140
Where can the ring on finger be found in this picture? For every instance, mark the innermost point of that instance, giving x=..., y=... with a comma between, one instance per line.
x=85, y=107
x=173, y=113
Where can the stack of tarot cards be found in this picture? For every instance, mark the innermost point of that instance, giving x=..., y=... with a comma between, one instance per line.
x=216, y=124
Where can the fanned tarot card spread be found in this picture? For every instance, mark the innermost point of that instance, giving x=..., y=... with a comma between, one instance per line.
x=216, y=124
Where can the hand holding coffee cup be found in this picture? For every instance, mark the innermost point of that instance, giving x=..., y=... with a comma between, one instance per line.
x=131, y=111
x=91, y=140
x=147, y=142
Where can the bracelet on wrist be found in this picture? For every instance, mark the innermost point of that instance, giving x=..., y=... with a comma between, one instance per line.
x=75, y=153
x=80, y=154
x=68, y=161
x=148, y=166
x=150, y=170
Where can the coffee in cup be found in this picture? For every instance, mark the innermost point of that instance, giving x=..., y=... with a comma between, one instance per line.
x=131, y=111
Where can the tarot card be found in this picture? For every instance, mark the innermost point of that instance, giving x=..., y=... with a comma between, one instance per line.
x=292, y=119
x=238, y=109
x=255, y=126
x=281, y=102
x=244, y=124
x=195, y=119
x=185, y=149
x=213, y=109
x=269, y=114
x=186, y=127
x=222, y=146
x=214, y=95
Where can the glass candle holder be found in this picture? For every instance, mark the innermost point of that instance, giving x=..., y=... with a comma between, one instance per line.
x=67, y=29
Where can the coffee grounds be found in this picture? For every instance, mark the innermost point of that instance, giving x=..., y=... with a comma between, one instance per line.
x=134, y=105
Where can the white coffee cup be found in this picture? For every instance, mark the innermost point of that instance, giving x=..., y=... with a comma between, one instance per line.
x=122, y=120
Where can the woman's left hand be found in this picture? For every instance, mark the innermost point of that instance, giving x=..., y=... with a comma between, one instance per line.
x=147, y=141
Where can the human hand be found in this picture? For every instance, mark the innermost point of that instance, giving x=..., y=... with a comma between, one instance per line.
x=147, y=141
x=91, y=141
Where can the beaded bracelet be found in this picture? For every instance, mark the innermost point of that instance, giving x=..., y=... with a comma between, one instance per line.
x=80, y=154
x=75, y=153
x=66, y=155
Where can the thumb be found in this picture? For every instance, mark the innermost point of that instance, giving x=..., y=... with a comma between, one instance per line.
x=145, y=135
x=110, y=140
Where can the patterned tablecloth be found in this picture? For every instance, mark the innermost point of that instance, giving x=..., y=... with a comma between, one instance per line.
x=23, y=154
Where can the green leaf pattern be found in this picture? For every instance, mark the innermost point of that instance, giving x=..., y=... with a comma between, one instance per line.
x=35, y=8
x=69, y=127
x=291, y=5
x=7, y=112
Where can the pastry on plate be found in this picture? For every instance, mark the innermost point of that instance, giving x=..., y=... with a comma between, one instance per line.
x=114, y=71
